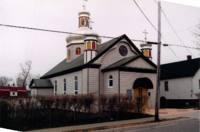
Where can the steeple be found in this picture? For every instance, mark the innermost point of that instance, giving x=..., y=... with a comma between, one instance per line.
x=145, y=47
x=84, y=40
x=84, y=17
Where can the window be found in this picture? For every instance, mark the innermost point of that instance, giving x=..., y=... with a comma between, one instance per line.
x=110, y=81
x=65, y=86
x=55, y=86
x=91, y=45
x=166, y=86
x=78, y=51
x=123, y=50
x=76, y=84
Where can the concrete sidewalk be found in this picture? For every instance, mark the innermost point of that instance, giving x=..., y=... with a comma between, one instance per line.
x=169, y=114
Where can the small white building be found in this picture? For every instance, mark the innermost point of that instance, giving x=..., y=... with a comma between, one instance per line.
x=91, y=67
x=41, y=87
x=180, y=83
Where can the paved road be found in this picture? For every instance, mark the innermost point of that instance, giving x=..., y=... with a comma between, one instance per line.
x=189, y=124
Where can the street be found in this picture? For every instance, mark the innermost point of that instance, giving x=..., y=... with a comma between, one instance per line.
x=189, y=123
x=175, y=120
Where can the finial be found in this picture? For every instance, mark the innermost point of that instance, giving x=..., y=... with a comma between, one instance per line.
x=145, y=34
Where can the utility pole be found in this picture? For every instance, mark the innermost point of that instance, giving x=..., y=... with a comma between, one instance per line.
x=157, y=103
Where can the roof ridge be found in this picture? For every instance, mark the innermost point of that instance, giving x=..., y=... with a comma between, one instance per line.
x=182, y=61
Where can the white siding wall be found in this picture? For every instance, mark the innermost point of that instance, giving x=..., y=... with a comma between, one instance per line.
x=140, y=63
x=84, y=81
x=73, y=50
x=127, y=80
x=70, y=83
x=106, y=89
x=93, y=80
x=195, y=83
x=42, y=92
x=178, y=88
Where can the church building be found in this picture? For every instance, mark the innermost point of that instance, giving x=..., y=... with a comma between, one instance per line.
x=92, y=67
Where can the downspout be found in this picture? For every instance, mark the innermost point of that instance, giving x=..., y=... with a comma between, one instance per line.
x=119, y=85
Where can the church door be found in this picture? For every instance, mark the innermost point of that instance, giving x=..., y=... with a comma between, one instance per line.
x=140, y=89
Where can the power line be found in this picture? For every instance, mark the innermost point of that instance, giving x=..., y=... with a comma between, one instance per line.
x=57, y=31
x=173, y=29
x=154, y=27
x=103, y=36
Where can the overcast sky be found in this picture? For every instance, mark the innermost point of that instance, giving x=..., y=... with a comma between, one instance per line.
x=110, y=17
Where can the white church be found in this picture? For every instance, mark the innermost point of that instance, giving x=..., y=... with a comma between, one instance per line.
x=92, y=67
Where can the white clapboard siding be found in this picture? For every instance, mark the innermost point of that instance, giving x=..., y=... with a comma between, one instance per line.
x=140, y=63
x=115, y=88
x=70, y=83
x=93, y=80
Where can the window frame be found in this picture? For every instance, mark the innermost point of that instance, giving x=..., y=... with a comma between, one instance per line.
x=110, y=81
x=166, y=86
x=65, y=86
x=55, y=87
x=75, y=85
x=78, y=51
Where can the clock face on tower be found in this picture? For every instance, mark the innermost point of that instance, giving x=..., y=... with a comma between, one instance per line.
x=123, y=50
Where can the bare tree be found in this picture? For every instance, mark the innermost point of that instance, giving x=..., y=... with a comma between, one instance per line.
x=4, y=81
x=24, y=76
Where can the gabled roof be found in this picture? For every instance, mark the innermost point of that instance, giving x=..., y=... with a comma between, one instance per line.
x=187, y=68
x=121, y=65
x=41, y=83
x=77, y=64
x=64, y=66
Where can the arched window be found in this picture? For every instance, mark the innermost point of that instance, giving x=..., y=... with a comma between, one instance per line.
x=76, y=84
x=110, y=81
x=78, y=51
x=55, y=87
x=65, y=87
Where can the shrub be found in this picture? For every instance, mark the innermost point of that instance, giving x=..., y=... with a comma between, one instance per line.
x=4, y=112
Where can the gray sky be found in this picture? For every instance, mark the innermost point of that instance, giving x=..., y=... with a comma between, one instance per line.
x=111, y=18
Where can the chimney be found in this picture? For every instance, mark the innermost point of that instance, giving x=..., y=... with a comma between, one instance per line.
x=189, y=57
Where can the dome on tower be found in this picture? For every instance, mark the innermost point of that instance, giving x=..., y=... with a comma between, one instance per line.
x=75, y=42
x=84, y=28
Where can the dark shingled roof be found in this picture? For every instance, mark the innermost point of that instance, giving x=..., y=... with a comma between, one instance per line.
x=78, y=63
x=187, y=68
x=64, y=66
x=40, y=83
x=121, y=64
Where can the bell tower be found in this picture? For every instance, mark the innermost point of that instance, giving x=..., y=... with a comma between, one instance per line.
x=85, y=40
x=90, y=47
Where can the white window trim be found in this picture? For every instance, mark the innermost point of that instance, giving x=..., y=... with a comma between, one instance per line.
x=109, y=81
x=76, y=81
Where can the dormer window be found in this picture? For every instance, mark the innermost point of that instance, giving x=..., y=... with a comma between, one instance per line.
x=78, y=51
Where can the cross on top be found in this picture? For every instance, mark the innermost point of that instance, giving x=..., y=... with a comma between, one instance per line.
x=84, y=4
x=145, y=34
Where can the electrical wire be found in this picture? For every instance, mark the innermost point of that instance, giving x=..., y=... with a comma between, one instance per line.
x=103, y=36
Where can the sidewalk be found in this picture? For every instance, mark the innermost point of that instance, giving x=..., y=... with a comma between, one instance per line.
x=169, y=114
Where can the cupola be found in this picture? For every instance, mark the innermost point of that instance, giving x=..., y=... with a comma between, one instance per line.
x=145, y=47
